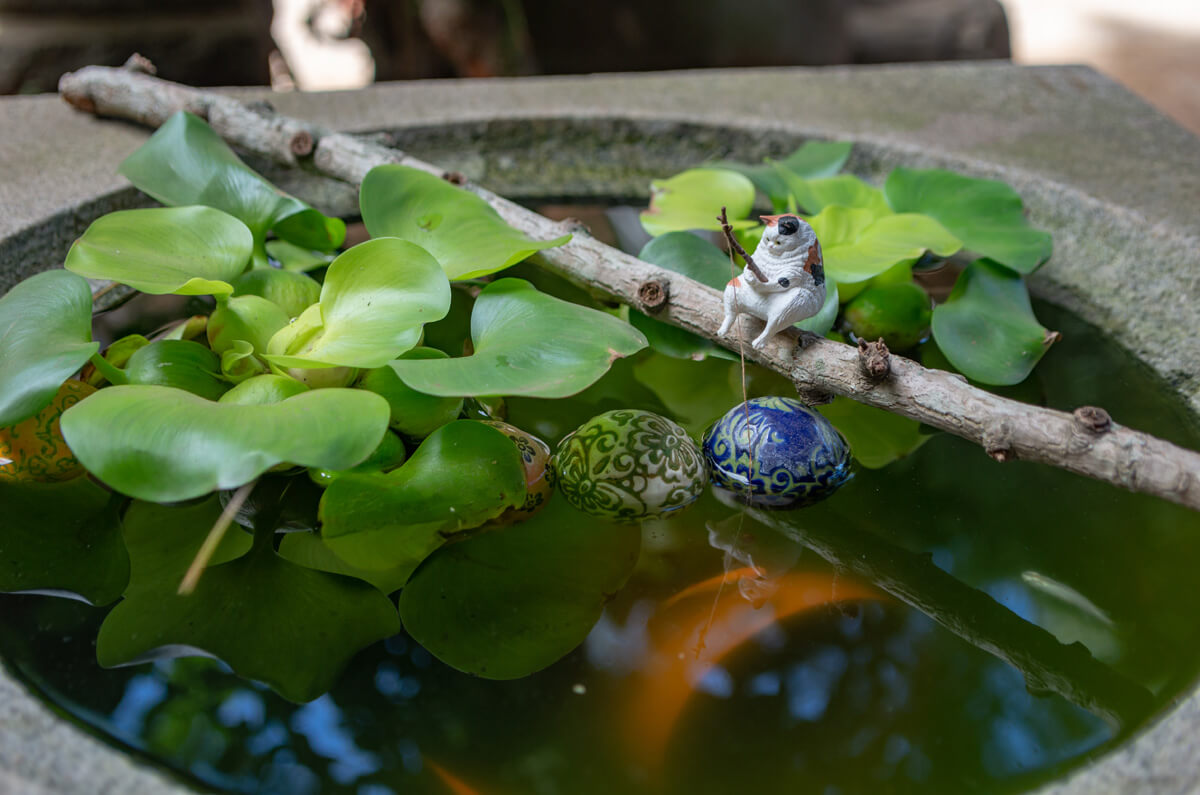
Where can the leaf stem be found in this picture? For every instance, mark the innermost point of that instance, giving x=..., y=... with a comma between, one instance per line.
x=115, y=375
x=192, y=578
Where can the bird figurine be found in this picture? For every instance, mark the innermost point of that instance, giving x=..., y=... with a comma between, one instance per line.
x=784, y=280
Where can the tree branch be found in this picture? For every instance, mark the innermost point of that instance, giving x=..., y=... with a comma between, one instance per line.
x=1006, y=429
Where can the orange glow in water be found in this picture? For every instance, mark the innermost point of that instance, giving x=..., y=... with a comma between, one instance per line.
x=690, y=635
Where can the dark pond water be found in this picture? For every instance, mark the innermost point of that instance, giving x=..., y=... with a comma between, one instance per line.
x=823, y=677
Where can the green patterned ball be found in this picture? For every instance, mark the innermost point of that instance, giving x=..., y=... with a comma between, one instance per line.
x=629, y=465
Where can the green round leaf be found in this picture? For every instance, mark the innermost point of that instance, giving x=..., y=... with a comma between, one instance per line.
x=286, y=625
x=461, y=230
x=45, y=336
x=180, y=250
x=526, y=343
x=263, y=389
x=162, y=444
x=694, y=198
x=463, y=475
x=987, y=215
x=858, y=244
x=986, y=328
x=823, y=321
x=245, y=317
x=414, y=413
x=291, y=292
x=308, y=550
x=503, y=605
x=62, y=538
x=845, y=190
x=180, y=364
x=186, y=162
x=899, y=313
x=376, y=297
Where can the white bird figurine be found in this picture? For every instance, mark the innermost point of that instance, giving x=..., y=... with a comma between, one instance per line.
x=784, y=280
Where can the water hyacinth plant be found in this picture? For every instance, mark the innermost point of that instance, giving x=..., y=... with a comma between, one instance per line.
x=288, y=372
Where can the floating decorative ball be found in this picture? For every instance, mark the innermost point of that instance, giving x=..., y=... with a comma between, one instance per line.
x=539, y=475
x=34, y=448
x=787, y=456
x=629, y=465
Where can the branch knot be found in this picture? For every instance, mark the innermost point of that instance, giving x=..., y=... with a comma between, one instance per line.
x=874, y=359
x=1093, y=419
x=653, y=296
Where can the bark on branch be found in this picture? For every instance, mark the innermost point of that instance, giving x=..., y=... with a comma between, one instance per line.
x=1006, y=429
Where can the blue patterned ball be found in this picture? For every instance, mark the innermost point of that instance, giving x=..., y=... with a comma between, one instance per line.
x=798, y=457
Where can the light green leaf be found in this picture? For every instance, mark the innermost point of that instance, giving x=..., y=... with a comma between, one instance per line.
x=180, y=250
x=239, y=363
x=857, y=244
x=845, y=190
x=464, y=474
x=271, y=620
x=986, y=328
x=291, y=292
x=376, y=297
x=244, y=317
x=526, y=343
x=987, y=215
x=876, y=437
x=186, y=162
x=693, y=200
x=162, y=444
x=697, y=259
x=812, y=160
x=458, y=228
x=62, y=538
x=503, y=605
x=263, y=389
x=45, y=336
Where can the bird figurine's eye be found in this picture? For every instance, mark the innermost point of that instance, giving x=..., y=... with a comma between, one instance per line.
x=783, y=282
x=789, y=225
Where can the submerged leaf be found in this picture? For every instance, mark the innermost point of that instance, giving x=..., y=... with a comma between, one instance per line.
x=45, y=336
x=458, y=228
x=986, y=214
x=876, y=437
x=986, y=328
x=162, y=444
x=161, y=250
x=858, y=243
x=308, y=550
x=464, y=474
x=186, y=162
x=694, y=198
x=376, y=297
x=271, y=620
x=63, y=538
x=526, y=343
x=503, y=605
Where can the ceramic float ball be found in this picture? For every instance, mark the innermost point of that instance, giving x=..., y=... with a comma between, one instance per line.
x=798, y=457
x=629, y=465
x=539, y=475
x=34, y=448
